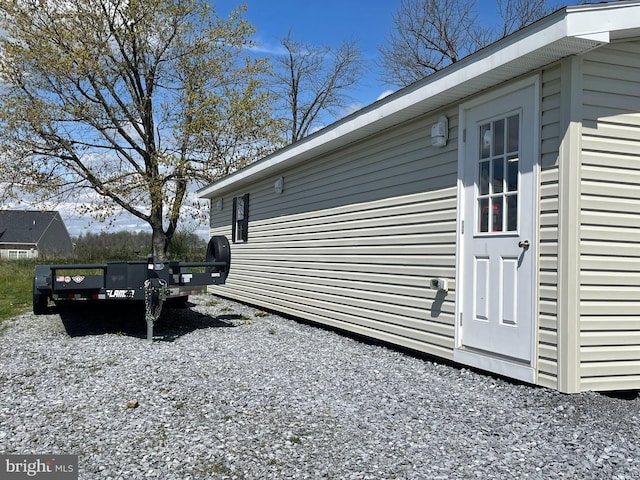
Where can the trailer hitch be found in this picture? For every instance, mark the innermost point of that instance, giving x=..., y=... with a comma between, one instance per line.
x=155, y=293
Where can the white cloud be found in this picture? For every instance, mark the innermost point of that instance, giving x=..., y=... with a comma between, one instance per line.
x=351, y=108
x=267, y=48
x=386, y=93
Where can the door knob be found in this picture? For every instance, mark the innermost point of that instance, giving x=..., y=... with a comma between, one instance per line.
x=524, y=245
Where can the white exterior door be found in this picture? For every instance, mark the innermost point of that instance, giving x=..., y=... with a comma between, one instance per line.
x=498, y=229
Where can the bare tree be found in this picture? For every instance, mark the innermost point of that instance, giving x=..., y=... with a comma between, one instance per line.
x=516, y=14
x=428, y=35
x=310, y=80
x=126, y=102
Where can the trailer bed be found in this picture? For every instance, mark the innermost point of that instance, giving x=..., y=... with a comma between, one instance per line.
x=148, y=282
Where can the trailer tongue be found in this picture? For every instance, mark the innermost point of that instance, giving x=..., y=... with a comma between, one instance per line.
x=149, y=282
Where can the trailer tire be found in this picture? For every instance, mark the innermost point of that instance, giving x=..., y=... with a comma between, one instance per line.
x=219, y=250
x=40, y=301
x=177, y=302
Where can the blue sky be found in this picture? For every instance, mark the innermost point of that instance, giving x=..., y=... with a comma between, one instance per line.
x=324, y=22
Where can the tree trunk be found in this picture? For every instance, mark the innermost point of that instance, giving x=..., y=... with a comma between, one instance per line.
x=159, y=241
x=159, y=237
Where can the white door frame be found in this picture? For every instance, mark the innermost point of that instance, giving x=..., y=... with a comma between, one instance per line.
x=487, y=362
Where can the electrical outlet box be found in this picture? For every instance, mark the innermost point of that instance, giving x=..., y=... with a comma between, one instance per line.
x=440, y=284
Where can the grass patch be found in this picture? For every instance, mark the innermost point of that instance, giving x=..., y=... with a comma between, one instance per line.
x=16, y=283
x=86, y=272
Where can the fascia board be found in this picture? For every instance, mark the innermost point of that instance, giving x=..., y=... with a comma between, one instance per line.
x=589, y=20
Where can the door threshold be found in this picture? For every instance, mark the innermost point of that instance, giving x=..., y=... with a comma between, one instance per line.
x=507, y=368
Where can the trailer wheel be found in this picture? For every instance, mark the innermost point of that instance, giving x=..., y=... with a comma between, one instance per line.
x=40, y=301
x=177, y=302
x=219, y=250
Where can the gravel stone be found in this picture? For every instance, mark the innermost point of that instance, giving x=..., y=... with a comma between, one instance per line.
x=227, y=392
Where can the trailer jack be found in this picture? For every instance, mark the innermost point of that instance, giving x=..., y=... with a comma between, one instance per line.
x=155, y=293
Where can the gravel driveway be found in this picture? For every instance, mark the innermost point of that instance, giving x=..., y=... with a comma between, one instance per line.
x=228, y=392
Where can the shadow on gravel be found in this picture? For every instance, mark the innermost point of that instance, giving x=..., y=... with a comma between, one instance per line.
x=84, y=320
x=622, y=394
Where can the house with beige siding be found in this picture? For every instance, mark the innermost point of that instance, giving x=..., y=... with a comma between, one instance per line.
x=488, y=214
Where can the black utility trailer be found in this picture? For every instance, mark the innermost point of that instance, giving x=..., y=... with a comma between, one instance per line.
x=148, y=282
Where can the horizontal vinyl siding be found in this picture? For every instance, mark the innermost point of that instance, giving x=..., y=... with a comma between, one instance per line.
x=610, y=219
x=355, y=238
x=548, y=236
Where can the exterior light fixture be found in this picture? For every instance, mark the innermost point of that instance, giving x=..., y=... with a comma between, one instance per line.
x=440, y=132
x=278, y=186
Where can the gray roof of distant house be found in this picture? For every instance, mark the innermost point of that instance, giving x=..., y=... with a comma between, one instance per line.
x=25, y=226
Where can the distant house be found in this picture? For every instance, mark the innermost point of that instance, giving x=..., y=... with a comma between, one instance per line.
x=29, y=234
x=488, y=214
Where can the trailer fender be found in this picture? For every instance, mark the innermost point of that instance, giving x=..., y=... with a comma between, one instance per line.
x=219, y=250
x=41, y=289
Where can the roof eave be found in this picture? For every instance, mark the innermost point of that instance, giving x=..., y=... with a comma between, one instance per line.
x=569, y=31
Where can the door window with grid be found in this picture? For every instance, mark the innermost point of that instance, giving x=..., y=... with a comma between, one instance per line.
x=497, y=193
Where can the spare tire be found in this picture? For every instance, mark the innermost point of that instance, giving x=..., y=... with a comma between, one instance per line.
x=219, y=250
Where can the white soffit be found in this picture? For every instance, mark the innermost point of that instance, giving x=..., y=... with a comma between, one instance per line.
x=570, y=31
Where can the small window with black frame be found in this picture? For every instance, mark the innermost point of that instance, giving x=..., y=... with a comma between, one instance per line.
x=241, y=218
